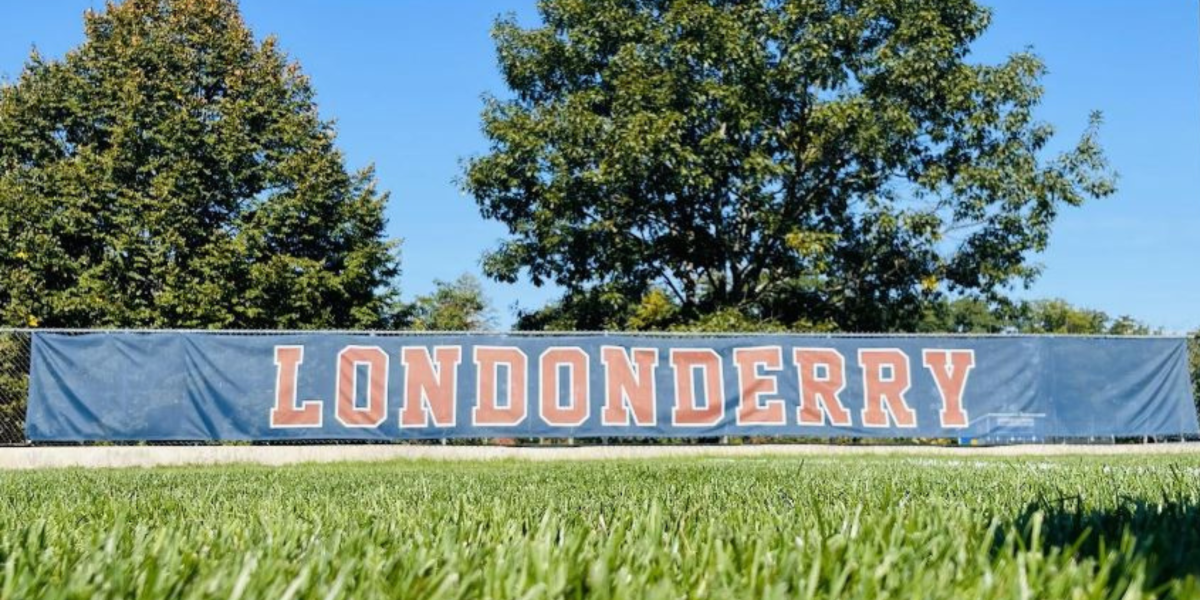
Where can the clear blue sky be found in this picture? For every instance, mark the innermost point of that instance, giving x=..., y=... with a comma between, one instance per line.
x=403, y=80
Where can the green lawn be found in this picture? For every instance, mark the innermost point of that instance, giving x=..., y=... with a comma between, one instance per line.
x=719, y=528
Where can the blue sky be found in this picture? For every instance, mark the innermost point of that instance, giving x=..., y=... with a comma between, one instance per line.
x=403, y=80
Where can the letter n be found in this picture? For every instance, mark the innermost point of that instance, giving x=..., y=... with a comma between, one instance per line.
x=430, y=386
x=629, y=386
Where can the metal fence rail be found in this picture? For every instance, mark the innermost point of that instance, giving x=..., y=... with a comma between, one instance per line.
x=648, y=334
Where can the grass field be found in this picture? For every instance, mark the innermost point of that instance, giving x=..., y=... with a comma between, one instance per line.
x=721, y=528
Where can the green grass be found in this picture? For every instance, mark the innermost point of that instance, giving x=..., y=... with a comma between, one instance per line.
x=744, y=528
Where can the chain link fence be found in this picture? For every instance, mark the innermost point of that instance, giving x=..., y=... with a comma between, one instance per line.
x=14, y=385
x=15, y=346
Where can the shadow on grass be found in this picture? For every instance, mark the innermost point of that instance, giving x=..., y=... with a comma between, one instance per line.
x=1158, y=538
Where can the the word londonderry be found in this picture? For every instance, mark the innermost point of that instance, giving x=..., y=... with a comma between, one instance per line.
x=637, y=387
x=319, y=386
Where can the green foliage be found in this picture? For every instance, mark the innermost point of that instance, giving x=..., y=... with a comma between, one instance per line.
x=857, y=527
x=1057, y=316
x=604, y=308
x=657, y=311
x=172, y=172
x=458, y=305
x=14, y=385
x=1194, y=363
x=835, y=162
x=966, y=315
x=971, y=315
x=730, y=320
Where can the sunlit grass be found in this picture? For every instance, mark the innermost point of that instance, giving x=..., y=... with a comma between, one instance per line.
x=777, y=528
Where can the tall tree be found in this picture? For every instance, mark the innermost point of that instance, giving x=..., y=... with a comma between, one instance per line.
x=1055, y=316
x=826, y=161
x=458, y=305
x=173, y=172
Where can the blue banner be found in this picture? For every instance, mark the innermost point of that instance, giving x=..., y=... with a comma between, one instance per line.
x=213, y=386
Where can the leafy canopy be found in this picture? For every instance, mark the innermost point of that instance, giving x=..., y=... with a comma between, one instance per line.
x=173, y=172
x=458, y=305
x=1053, y=316
x=840, y=163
